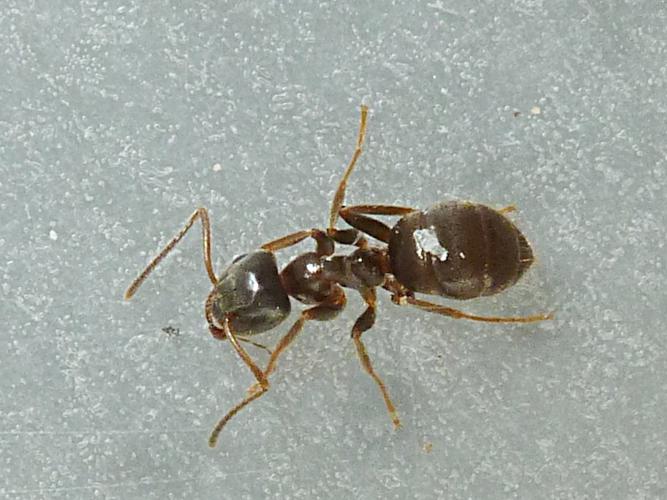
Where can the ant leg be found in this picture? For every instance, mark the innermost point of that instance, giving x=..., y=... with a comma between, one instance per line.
x=363, y=323
x=213, y=438
x=287, y=241
x=324, y=241
x=378, y=230
x=225, y=333
x=200, y=213
x=259, y=375
x=256, y=371
x=344, y=236
x=337, y=202
x=507, y=209
x=321, y=312
x=256, y=344
x=455, y=313
x=374, y=209
x=372, y=227
x=325, y=245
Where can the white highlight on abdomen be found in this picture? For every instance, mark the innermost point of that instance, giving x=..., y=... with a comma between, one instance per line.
x=426, y=241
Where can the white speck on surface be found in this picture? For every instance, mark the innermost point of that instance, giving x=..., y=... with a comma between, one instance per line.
x=426, y=241
x=53, y=235
x=217, y=167
x=535, y=110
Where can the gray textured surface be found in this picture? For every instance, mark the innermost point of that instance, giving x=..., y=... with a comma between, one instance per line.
x=117, y=119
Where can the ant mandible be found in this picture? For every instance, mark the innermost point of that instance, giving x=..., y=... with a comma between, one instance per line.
x=455, y=249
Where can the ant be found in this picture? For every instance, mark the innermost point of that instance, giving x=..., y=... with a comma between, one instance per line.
x=455, y=249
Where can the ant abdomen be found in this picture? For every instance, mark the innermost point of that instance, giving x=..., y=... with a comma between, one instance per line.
x=250, y=292
x=458, y=249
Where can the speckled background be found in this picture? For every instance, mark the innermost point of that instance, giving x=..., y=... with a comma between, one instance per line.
x=117, y=119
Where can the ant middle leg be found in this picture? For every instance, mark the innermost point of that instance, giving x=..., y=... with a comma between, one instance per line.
x=363, y=323
x=200, y=213
x=355, y=217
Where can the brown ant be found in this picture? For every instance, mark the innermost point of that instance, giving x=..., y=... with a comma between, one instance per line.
x=456, y=249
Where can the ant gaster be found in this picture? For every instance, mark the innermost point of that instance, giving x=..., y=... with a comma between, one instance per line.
x=455, y=249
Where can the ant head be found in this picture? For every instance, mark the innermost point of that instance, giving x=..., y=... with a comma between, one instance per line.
x=251, y=293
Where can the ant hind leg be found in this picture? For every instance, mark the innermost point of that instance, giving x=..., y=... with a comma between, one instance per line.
x=457, y=314
x=508, y=209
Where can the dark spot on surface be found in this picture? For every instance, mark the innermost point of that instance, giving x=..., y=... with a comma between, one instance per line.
x=171, y=331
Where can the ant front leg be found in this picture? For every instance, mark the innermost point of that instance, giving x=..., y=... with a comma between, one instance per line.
x=324, y=241
x=324, y=244
x=322, y=312
x=353, y=215
x=200, y=213
x=339, y=197
x=363, y=323
x=257, y=372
